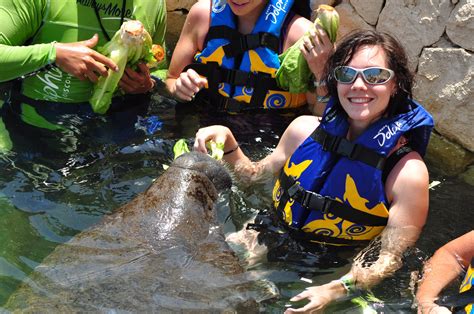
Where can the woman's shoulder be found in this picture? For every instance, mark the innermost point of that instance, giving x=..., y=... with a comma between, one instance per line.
x=297, y=27
x=200, y=11
x=302, y=126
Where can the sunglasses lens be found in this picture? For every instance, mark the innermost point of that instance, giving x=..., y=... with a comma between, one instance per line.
x=345, y=74
x=376, y=75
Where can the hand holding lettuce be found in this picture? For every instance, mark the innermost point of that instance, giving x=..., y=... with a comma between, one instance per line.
x=131, y=44
x=216, y=149
x=294, y=73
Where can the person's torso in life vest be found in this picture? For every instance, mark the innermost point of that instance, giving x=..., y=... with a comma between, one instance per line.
x=466, y=285
x=332, y=188
x=75, y=20
x=241, y=68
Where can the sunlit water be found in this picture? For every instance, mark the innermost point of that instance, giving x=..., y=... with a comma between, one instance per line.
x=46, y=201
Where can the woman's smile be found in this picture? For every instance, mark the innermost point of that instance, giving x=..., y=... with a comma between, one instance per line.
x=360, y=100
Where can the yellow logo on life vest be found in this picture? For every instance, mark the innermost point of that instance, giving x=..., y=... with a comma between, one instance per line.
x=257, y=65
x=333, y=226
x=467, y=285
x=216, y=56
x=295, y=171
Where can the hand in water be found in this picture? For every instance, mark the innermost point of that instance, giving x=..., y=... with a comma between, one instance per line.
x=319, y=297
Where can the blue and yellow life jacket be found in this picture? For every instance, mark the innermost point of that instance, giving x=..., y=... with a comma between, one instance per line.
x=332, y=188
x=467, y=286
x=241, y=69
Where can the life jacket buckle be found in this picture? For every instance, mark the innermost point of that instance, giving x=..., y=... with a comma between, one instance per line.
x=294, y=190
x=330, y=143
x=346, y=148
x=254, y=226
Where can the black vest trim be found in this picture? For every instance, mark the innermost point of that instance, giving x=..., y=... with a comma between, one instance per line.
x=240, y=43
x=346, y=148
x=260, y=82
x=314, y=201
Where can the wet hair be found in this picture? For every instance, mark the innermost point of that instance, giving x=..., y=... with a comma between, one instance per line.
x=397, y=61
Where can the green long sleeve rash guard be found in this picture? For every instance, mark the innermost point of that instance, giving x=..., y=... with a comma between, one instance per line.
x=29, y=28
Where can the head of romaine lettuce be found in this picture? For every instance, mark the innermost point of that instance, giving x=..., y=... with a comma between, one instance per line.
x=130, y=44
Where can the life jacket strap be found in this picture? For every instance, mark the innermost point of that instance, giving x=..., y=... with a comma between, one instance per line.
x=279, y=227
x=260, y=82
x=344, y=147
x=240, y=43
x=213, y=72
x=313, y=201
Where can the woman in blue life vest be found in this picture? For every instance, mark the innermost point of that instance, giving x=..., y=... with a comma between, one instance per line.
x=445, y=266
x=353, y=176
x=229, y=50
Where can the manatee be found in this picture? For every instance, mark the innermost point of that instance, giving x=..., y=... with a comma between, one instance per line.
x=162, y=252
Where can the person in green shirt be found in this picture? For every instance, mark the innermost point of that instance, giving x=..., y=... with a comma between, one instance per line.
x=48, y=55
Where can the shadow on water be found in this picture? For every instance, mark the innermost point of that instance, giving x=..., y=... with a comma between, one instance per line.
x=44, y=201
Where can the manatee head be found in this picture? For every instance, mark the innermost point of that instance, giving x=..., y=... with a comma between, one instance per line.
x=213, y=169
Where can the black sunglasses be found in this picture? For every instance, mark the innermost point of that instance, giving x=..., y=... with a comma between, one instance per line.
x=373, y=75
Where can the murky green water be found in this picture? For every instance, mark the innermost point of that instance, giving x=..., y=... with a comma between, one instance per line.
x=46, y=200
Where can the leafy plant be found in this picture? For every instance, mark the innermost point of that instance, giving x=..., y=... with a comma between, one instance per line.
x=131, y=44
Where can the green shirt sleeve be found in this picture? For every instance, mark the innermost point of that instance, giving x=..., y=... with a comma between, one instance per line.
x=159, y=38
x=19, y=21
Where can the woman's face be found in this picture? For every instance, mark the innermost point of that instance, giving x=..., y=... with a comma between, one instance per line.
x=246, y=7
x=365, y=103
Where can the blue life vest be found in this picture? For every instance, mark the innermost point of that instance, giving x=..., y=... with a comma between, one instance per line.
x=240, y=68
x=332, y=188
x=466, y=287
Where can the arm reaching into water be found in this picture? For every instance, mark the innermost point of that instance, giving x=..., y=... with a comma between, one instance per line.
x=246, y=169
x=409, y=207
x=447, y=264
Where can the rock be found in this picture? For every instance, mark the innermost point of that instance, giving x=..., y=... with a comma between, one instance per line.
x=460, y=26
x=449, y=158
x=368, y=9
x=349, y=20
x=446, y=89
x=416, y=24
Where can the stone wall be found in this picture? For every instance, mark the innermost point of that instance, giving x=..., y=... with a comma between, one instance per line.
x=438, y=37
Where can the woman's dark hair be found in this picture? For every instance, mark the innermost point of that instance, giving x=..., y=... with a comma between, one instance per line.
x=396, y=57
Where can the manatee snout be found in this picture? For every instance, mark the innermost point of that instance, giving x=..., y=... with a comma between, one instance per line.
x=215, y=171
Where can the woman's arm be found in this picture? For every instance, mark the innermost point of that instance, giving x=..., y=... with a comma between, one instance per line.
x=294, y=135
x=445, y=266
x=408, y=194
x=409, y=198
x=184, y=85
x=19, y=22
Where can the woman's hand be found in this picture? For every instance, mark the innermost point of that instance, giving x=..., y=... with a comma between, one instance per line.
x=217, y=133
x=137, y=82
x=316, y=49
x=187, y=85
x=319, y=297
x=430, y=307
x=81, y=61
